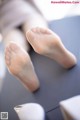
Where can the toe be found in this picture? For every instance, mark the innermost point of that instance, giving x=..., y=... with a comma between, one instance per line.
x=40, y=30
x=12, y=46
x=45, y=31
x=36, y=30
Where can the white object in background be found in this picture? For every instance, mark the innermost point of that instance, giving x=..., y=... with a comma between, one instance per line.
x=0, y=37
x=56, y=11
x=71, y=108
x=30, y=111
x=2, y=61
x=2, y=66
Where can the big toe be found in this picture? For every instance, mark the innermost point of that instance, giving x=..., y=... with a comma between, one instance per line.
x=14, y=47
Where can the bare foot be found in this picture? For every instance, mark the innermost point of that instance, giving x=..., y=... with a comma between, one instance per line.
x=20, y=65
x=48, y=43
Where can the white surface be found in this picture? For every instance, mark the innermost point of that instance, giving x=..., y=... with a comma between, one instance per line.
x=30, y=111
x=72, y=107
x=2, y=65
x=0, y=37
x=2, y=69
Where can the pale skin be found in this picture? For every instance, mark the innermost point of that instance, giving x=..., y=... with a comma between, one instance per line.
x=19, y=64
x=44, y=42
x=48, y=43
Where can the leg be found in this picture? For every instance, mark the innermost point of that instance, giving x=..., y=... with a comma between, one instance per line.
x=17, y=36
x=23, y=70
x=34, y=19
x=47, y=43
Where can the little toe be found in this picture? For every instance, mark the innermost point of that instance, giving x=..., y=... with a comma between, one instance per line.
x=45, y=31
x=38, y=30
x=34, y=30
x=42, y=30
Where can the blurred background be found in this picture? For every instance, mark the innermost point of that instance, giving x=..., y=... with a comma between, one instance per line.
x=13, y=93
x=57, y=11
